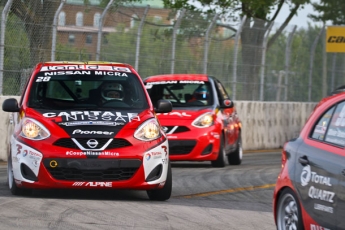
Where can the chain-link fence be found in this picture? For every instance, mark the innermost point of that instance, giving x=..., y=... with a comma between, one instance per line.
x=250, y=56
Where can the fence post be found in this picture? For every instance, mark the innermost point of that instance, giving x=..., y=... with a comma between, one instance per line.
x=207, y=42
x=334, y=62
x=2, y=40
x=176, y=26
x=263, y=61
x=287, y=60
x=140, y=28
x=55, y=29
x=99, y=40
x=237, y=37
x=312, y=54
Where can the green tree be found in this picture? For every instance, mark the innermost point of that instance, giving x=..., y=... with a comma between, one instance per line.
x=258, y=14
x=329, y=10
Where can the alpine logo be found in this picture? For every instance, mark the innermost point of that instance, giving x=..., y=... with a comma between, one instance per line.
x=93, y=184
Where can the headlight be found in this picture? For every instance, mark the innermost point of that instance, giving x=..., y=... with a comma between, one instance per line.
x=148, y=131
x=33, y=130
x=205, y=120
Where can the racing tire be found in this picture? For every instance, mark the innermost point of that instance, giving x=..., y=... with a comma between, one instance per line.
x=164, y=193
x=220, y=161
x=288, y=212
x=235, y=157
x=15, y=190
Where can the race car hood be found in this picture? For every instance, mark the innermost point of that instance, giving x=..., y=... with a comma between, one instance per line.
x=182, y=114
x=84, y=123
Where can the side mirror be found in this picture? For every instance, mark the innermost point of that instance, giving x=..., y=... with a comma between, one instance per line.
x=163, y=106
x=227, y=103
x=10, y=105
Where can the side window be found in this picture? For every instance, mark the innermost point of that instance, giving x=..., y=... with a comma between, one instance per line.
x=321, y=127
x=336, y=131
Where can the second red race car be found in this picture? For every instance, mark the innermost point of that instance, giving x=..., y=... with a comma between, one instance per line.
x=204, y=124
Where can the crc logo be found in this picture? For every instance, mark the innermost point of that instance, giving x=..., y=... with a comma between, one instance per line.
x=336, y=39
x=305, y=175
x=92, y=143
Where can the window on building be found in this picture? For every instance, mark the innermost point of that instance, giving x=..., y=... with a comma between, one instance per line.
x=96, y=18
x=134, y=20
x=62, y=19
x=157, y=19
x=79, y=19
x=89, y=39
x=71, y=38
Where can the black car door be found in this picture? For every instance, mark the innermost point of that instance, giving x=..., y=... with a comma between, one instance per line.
x=318, y=166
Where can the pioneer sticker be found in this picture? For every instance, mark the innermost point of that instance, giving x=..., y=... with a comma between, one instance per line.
x=85, y=67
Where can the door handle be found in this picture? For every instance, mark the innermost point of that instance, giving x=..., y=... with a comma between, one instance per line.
x=303, y=160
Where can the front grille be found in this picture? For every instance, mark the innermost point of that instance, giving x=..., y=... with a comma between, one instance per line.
x=92, y=169
x=180, y=147
x=68, y=143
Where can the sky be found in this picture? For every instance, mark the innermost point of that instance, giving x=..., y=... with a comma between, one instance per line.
x=301, y=19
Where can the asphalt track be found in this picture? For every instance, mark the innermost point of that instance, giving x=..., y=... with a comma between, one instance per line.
x=234, y=197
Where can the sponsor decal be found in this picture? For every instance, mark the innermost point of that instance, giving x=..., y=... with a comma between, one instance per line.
x=93, y=184
x=156, y=155
x=317, y=227
x=83, y=72
x=323, y=208
x=183, y=114
x=165, y=161
x=19, y=148
x=25, y=153
x=77, y=123
x=90, y=132
x=192, y=82
x=165, y=149
x=147, y=156
x=308, y=176
x=161, y=82
x=92, y=153
x=85, y=67
x=174, y=82
x=94, y=116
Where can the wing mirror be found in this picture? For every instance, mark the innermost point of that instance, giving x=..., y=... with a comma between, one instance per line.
x=163, y=106
x=10, y=105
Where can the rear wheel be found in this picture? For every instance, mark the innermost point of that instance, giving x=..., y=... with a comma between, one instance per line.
x=165, y=192
x=288, y=211
x=235, y=157
x=220, y=161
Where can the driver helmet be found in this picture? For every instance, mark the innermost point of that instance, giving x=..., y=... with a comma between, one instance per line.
x=112, y=91
x=201, y=94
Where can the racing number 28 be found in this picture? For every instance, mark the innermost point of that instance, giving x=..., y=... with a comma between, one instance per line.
x=40, y=79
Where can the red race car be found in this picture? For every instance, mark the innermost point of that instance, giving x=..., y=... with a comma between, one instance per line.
x=87, y=125
x=204, y=124
x=309, y=190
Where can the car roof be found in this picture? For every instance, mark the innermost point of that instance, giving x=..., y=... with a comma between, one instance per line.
x=174, y=77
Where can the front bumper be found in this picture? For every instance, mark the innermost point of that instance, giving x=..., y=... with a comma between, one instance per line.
x=196, y=144
x=132, y=167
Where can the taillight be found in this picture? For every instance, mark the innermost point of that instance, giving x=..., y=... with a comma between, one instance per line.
x=284, y=156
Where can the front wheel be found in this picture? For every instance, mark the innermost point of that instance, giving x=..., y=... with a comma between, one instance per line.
x=220, y=161
x=165, y=192
x=235, y=157
x=288, y=211
x=15, y=190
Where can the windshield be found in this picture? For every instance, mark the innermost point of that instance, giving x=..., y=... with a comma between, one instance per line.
x=87, y=90
x=181, y=93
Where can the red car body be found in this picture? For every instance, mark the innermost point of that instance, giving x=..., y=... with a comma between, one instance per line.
x=204, y=124
x=310, y=186
x=69, y=133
